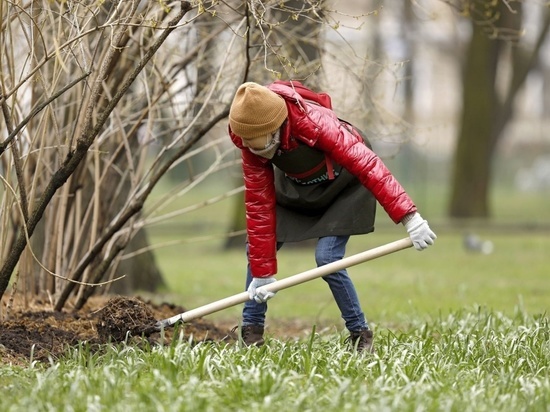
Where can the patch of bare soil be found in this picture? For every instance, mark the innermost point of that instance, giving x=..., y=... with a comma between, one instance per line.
x=34, y=331
x=37, y=332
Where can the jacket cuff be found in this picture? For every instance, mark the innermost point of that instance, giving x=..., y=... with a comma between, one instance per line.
x=408, y=217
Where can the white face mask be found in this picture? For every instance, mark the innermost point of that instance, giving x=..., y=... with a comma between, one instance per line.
x=270, y=148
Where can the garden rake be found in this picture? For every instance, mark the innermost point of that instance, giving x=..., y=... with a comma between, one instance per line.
x=287, y=282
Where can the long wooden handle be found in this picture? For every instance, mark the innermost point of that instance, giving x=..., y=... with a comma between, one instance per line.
x=289, y=281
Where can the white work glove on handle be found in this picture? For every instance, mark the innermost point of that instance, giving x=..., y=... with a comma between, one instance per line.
x=419, y=231
x=257, y=292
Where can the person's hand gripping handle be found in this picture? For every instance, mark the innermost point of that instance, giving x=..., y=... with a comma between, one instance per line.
x=419, y=231
x=257, y=292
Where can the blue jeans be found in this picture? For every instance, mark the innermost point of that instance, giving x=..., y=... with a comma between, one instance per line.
x=329, y=249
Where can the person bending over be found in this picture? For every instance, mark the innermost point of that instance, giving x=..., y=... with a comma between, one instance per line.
x=309, y=175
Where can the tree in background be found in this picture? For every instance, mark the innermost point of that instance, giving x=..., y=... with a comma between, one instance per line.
x=71, y=155
x=489, y=93
x=85, y=105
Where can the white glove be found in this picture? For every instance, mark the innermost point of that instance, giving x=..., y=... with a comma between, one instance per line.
x=257, y=292
x=419, y=231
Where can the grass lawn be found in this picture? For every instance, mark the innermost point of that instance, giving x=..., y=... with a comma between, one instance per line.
x=393, y=288
x=469, y=360
x=455, y=331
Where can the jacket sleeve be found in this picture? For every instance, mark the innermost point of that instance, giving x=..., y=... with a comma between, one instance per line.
x=260, y=203
x=329, y=135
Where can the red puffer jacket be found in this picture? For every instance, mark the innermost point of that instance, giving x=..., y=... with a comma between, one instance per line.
x=317, y=127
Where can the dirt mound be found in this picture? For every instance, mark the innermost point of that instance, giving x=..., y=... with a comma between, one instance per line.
x=123, y=317
x=38, y=333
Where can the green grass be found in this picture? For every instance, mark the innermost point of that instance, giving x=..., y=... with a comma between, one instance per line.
x=469, y=360
x=454, y=331
x=443, y=279
x=407, y=284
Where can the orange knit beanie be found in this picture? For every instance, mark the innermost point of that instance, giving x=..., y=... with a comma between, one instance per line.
x=256, y=112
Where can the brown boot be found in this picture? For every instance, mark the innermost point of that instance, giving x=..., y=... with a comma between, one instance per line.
x=252, y=335
x=361, y=340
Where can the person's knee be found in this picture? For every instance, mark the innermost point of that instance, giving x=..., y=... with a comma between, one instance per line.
x=321, y=257
x=330, y=249
x=327, y=255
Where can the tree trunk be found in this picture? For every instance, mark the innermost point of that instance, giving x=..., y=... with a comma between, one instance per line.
x=140, y=272
x=238, y=223
x=484, y=115
x=470, y=179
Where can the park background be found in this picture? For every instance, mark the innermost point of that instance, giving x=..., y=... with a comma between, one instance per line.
x=118, y=178
x=118, y=175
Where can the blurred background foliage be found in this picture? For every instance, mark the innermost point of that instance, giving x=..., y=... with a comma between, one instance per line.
x=115, y=160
